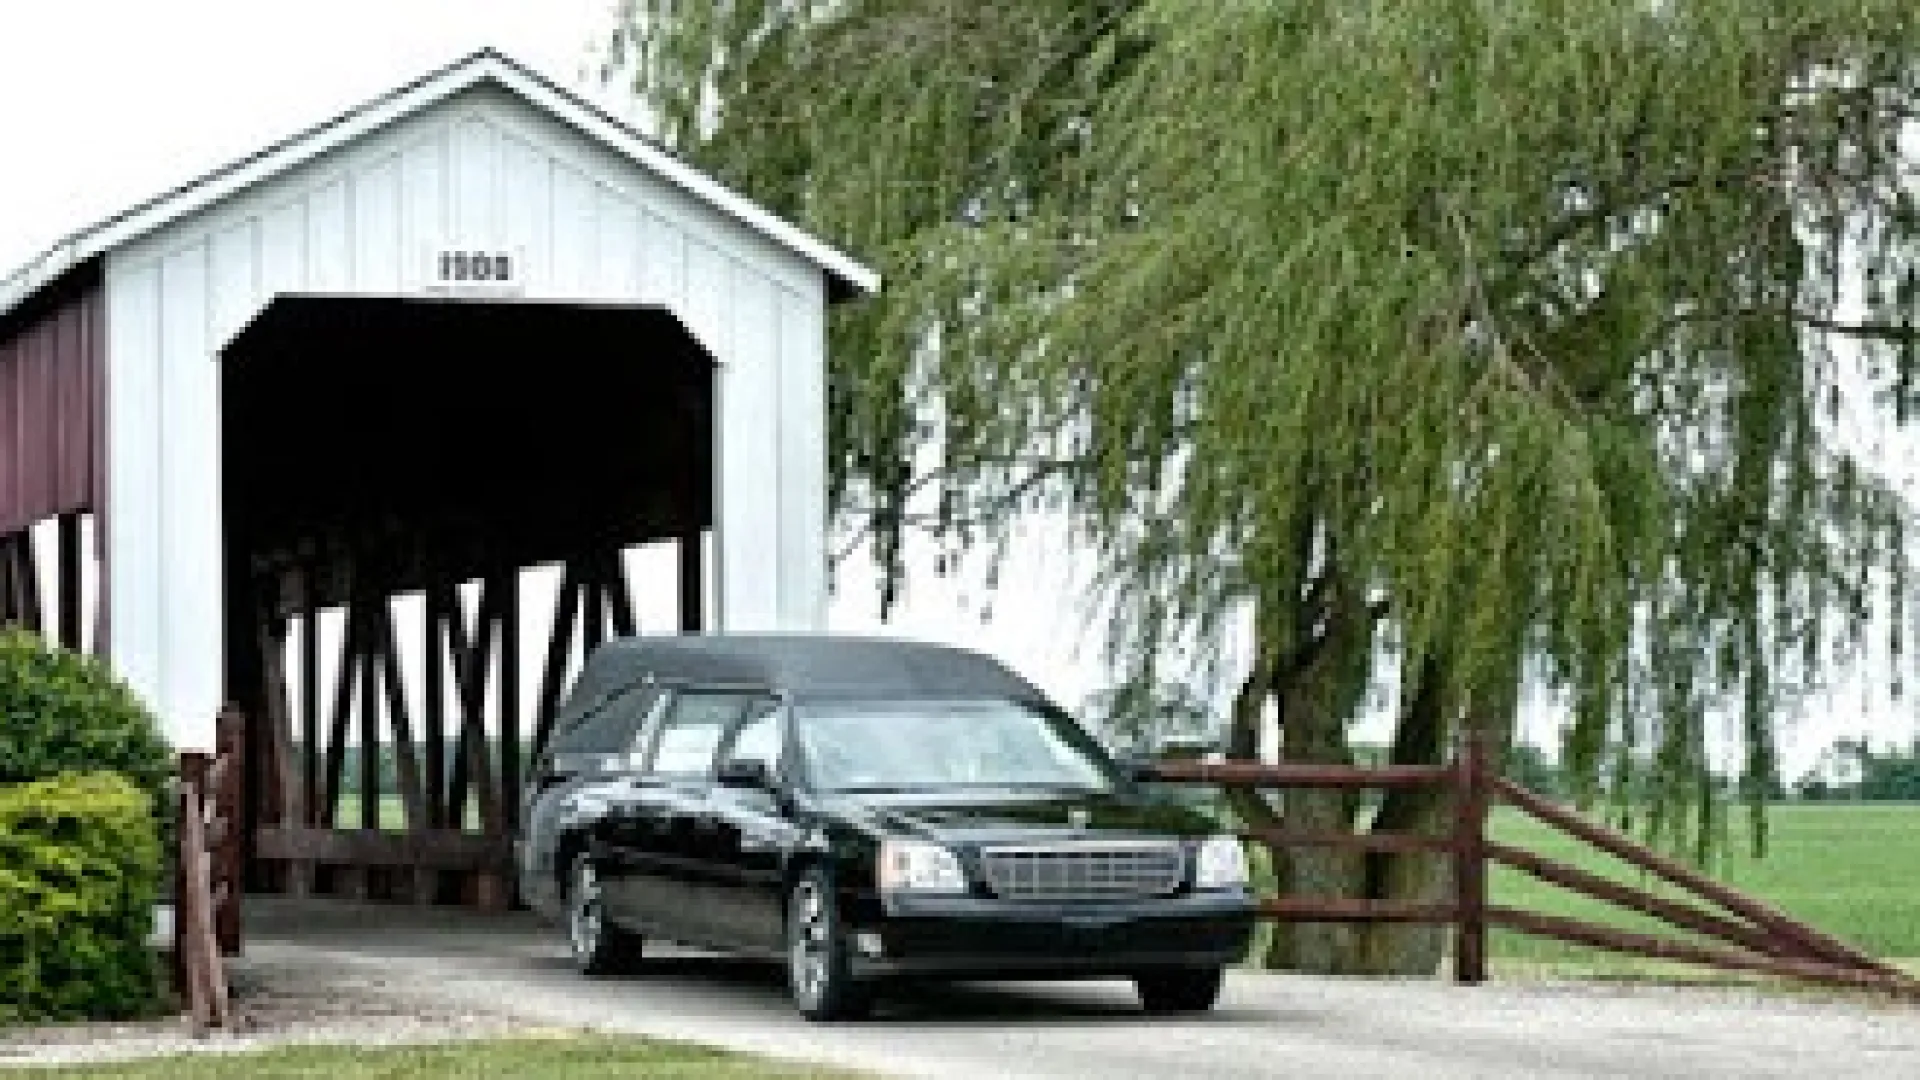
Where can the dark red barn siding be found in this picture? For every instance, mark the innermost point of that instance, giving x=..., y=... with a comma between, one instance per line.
x=52, y=404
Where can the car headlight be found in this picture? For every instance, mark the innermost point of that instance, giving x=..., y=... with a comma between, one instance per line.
x=1220, y=864
x=918, y=866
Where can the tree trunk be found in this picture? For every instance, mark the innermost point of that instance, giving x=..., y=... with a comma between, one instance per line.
x=1419, y=739
x=1315, y=705
x=1317, y=685
x=1313, y=735
x=1422, y=738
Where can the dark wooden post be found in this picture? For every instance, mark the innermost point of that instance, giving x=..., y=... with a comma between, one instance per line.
x=7, y=616
x=280, y=795
x=692, y=584
x=310, y=794
x=230, y=740
x=511, y=732
x=349, y=670
x=193, y=778
x=440, y=599
x=303, y=761
x=472, y=664
x=102, y=583
x=368, y=660
x=70, y=575
x=1469, y=859
x=433, y=715
x=567, y=610
x=246, y=602
x=22, y=604
x=198, y=945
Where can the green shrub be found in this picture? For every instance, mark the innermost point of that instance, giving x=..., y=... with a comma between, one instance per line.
x=62, y=712
x=79, y=869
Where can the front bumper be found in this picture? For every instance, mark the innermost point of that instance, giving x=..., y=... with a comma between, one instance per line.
x=986, y=938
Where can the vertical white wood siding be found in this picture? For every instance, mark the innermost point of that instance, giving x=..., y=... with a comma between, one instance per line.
x=483, y=169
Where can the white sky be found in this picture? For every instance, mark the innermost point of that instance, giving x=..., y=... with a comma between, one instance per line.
x=104, y=103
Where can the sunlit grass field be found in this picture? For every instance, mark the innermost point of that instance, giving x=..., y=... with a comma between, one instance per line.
x=1850, y=869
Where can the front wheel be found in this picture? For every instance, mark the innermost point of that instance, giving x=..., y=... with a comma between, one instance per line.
x=817, y=972
x=597, y=945
x=1186, y=990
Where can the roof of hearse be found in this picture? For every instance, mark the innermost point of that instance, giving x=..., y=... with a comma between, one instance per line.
x=804, y=665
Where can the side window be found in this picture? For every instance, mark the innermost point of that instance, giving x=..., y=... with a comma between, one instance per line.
x=761, y=737
x=611, y=728
x=691, y=731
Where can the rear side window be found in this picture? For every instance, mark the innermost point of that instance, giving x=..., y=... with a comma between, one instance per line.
x=691, y=732
x=610, y=729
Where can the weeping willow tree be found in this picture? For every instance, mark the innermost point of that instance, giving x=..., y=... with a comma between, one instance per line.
x=1473, y=345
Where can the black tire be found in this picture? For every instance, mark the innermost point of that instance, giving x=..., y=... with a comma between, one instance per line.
x=598, y=947
x=1182, y=990
x=818, y=976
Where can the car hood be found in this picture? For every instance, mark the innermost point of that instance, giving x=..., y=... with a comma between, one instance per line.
x=1002, y=817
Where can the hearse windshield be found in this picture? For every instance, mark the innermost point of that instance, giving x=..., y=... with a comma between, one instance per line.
x=883, y=746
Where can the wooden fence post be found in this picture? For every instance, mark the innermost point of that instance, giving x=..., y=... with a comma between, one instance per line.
x=196, y=953
x=230, y=804
x=194, y=935
x=193, y=777
x=1469, y=859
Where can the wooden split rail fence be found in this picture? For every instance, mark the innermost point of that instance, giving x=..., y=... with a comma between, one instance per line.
x=1744, y=934
x=207, y=875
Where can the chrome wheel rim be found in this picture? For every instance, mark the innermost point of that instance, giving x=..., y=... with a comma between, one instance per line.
x=808, y=959
x=584, y=917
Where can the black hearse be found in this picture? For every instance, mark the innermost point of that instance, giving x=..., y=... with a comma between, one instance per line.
x=865, y=811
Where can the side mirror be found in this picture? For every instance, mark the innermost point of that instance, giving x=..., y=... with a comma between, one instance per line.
x=746, y=773
x=1138, y=767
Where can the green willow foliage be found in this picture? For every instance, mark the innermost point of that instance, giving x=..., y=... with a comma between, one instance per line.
x=1480, y=340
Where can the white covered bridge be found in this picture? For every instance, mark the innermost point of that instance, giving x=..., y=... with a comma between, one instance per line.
x=472, y=327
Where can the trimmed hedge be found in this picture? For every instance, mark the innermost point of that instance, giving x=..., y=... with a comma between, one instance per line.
x=62, y=712
x=79, y=871
x=85, y=802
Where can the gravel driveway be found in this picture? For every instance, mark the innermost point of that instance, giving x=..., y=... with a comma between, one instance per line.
x=1268, y=1025
x=299, y=999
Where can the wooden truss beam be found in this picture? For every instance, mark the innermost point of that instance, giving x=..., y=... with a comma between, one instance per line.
x=469, y=749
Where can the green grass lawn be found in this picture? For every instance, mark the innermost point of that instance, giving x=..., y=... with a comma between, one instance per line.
x=571, y=1058
x=1852, y=870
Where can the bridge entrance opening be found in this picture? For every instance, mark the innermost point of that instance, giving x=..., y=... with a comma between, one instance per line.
x=406, y=486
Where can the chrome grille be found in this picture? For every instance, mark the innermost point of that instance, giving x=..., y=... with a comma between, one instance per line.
x=1084, y=871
